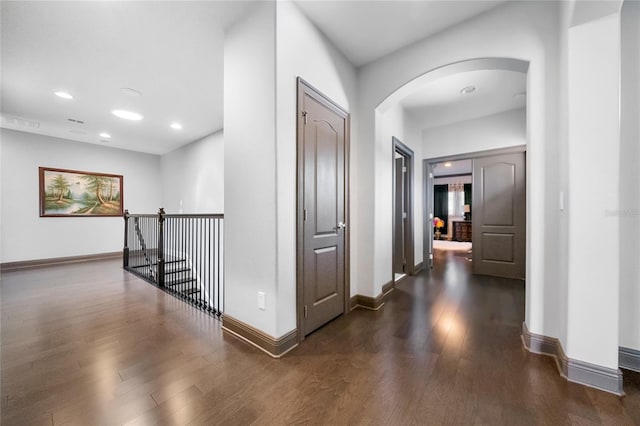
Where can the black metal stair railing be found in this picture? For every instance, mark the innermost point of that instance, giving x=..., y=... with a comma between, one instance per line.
x=143, y=248
x=180, y=253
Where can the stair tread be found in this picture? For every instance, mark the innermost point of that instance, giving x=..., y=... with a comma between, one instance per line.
x=176, y=271
x=178, y=281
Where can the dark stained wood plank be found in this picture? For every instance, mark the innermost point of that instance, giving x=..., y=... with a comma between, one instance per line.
x=91, y=344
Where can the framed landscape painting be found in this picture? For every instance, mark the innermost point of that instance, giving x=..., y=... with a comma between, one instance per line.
x=73, y=193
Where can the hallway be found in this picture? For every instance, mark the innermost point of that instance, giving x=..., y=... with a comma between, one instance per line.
x=92, y=344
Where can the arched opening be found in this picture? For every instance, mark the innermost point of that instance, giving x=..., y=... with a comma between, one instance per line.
x=412, y=114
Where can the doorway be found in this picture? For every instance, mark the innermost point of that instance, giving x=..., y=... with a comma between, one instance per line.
x=403, y=244
x=498, y=221
x=322, y=210
x=452, y=205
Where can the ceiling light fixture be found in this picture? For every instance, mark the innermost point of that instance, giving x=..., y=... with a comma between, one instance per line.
x=447, y=164
x=63, y=95
x=176, y=126
x=467, y=90
x=127, y=115
x=104, y=135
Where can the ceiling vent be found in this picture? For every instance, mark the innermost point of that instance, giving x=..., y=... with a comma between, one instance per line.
x=75, y=120
x=22, y=122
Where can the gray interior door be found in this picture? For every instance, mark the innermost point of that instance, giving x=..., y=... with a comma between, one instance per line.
x=323, y=145
x=399, y=258
x=499, y=215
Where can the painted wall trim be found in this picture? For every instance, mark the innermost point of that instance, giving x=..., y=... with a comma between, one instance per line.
x=39, y=263
x=580, y=372
x=629, y=358
x=477, y=154
x=372, y=303
x=418, y=268
x=274, y=347
x=595, y=376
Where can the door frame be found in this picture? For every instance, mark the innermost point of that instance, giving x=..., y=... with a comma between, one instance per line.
x=409, y=246
x=303, y=88
x=428, y=178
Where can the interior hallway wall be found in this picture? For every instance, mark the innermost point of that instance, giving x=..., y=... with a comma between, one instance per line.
x=250, y=168
x=629, y=211
x=522, y=30
x=302, y=51
x=501, y=130
x=262, y=62
x=193, y=177
x=27, y=236
x=390, y=123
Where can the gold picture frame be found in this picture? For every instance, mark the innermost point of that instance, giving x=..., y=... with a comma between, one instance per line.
x=74, y=193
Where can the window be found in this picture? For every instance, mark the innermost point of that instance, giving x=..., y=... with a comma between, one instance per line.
x=456, y=200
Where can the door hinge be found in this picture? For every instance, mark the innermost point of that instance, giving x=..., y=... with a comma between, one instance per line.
x=404, y=215
x=305, y=311
x=305, y=215
x=404, y=169
x=304, y=115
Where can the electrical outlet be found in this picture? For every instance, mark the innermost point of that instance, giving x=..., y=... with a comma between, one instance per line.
x=261, y=302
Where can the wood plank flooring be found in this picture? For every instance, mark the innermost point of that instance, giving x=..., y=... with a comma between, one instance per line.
x=90, y=344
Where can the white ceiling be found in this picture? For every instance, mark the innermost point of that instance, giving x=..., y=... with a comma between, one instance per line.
x=367, y=30
x=441, y=102
x=171, y=52
x=459, y=167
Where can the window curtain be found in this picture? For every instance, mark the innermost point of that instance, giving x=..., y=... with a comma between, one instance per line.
x=457, y=194
x=441, y=204
x=468, y=197
x=467, y=194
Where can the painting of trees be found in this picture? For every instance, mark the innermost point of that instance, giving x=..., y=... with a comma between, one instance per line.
x=96, y=184
x=74, y=193
x=59, y=187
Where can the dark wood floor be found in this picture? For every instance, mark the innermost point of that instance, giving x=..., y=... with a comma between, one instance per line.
x=91, y=344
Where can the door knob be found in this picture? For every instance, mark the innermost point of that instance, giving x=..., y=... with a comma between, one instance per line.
x=342, y=225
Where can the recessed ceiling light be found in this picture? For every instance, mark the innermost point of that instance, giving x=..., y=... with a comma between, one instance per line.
x=176, y=126
x=447, y=164
x=63, y=95
x=131, y=92
x=105, y=135
x=467, y=90
x=127, y=115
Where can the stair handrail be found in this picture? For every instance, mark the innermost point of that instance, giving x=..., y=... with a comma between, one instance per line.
x=199, y=240
x=143, y=245
x=160, y=270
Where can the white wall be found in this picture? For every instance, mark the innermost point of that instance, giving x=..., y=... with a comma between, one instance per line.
x=594, y=161
x=448, y=180
x=261, y=67
x=505, y=129
x=250, y=168
x=392, y=122
x=629, y=177
x=301, y=51
x=413, y=139
x=521, y=30
x=193, y=177
x=27, y=236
